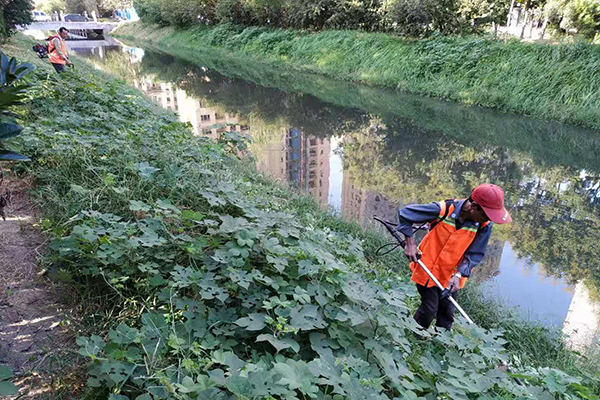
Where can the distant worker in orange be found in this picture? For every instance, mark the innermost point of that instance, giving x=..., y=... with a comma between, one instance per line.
x=57, y=50
x=459, y=231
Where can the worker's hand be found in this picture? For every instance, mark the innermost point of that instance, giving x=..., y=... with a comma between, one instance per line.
x=68, y=62
x=454, y=284
x=410, y=249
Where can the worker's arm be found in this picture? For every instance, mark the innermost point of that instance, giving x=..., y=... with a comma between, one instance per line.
x=414, y=214
x=476, y=251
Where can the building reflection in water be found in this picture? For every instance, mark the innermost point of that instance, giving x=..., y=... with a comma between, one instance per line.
x=206, y=121
x=301, y=160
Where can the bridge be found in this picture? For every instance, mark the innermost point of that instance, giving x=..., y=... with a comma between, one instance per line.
x=102, y=28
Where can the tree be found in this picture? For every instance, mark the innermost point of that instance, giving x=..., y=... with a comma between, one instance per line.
x=582, y=15
x=106, y=7
x=13, y=13
x=52, y=6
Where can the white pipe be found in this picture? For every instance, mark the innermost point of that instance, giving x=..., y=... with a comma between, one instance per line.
x=439, y=285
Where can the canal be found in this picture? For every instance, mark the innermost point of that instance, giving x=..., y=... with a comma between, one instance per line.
x=364, y=151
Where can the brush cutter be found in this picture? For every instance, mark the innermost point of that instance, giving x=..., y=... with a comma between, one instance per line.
x=391, y=227
x=401, y=243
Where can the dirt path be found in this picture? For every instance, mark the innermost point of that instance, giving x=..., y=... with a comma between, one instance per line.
x=34, y=318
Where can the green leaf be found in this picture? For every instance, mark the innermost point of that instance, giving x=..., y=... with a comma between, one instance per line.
x=280, y=263
x=90, y=347
x=3, y=63
x=5, y=372
x=12, y=65
x=23, y=69
x=352, y=313
x=301, y=295
x=146, y=171
x=307, y=318
x=8, y=130
x=211, y=198
x=279, y=344
x=124, y=335
x=188, y=385
x=321, y=344
x=8, y=155
x=167, y=205
x=242, y=278
x=390, y=360
x=306, y=267
x=272, y=245
x=332, y=372
x=117, y=371
x=135, y=205
x=361, y=292
x=217, y=376
x=8, y=389
x=228, y=358
x=117, y=397
x=296, y=375
x=190, y=215
x=253, y=322
x=240, y=386
x=231, y=224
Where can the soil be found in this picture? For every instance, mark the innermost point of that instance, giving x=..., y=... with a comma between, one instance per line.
x=36, y=338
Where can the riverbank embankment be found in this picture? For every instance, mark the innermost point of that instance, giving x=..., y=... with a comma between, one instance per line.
x=554, y=82
x=208, y=280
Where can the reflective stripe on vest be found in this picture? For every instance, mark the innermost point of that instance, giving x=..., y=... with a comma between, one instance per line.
x=53, y=54
x=443, y=249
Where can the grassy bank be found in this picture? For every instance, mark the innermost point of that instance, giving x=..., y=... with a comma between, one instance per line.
x=210, y=281
x=551, y=82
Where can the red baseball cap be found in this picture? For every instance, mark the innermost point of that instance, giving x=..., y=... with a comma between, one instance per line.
x=491, y=199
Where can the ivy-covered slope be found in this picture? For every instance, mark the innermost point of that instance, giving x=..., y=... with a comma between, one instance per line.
x=217, y=283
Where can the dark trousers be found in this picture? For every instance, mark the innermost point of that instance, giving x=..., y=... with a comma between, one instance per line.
x=59, y=67
x=433, y=306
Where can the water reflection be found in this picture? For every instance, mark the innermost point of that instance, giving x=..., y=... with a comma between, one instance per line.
x=205, y=121
x=366, y=154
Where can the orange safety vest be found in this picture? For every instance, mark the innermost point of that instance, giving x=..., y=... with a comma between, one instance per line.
x=53, y=54
x=443, y=248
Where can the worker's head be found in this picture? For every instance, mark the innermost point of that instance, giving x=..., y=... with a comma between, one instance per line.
x=486, y=203
x=63, y=33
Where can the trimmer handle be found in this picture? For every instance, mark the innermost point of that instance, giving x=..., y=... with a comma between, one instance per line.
x=391, y=227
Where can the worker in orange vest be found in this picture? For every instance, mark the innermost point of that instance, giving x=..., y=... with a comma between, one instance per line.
x=459, y=231
x=57, y=50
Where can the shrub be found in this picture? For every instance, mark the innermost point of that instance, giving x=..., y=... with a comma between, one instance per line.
x=418, y=18
x=233, y=11
x=149, y=11
x=584, y=15
x=183, y=13
x=358, y=14
x=406, y=17
x=309, y=14
x=266, y=12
